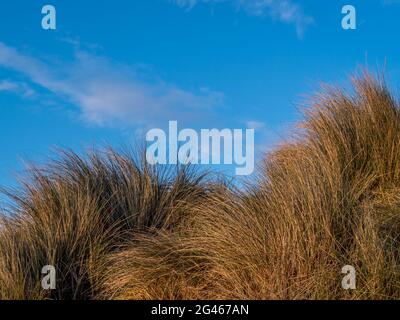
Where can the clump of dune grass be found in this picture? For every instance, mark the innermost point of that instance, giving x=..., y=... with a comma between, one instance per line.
x=116, y=228
x=326, y=198
x=73, y=212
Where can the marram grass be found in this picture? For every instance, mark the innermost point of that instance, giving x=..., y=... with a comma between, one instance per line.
x=116, y=228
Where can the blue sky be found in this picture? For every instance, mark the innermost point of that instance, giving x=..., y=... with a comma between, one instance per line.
x=113, y=69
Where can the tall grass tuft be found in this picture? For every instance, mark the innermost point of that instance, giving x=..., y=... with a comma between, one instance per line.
x=116, y=228
x=74, y=212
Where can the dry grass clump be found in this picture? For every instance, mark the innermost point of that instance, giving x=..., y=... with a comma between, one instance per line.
x=75, y=211
x=328, y=197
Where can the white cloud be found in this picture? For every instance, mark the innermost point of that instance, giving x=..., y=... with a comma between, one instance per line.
x=16, y=87
x=7, y=86
x=107, y=92
x=252, y=124
x=282, y=10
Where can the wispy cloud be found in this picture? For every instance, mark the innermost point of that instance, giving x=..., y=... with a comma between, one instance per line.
x=107, y=92
x=266, y=136
x=285, y=11
x=16, y=87
x=6, y=85
x=253, y=124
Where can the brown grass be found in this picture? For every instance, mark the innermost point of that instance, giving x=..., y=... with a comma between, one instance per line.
x=116, y=228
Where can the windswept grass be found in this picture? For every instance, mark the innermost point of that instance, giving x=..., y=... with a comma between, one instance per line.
x=116, y=228
x=74, y=212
